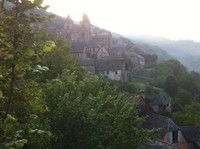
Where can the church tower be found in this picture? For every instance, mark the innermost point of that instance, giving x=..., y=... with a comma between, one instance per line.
x=68, y=26
x=85, y=22
x=86, y=28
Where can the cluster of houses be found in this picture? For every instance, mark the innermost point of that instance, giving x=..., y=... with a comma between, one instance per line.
x=93, y=48
x=171, y=136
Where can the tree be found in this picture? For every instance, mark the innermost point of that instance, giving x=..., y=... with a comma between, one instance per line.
x=189, y=116
x=176, y=67
x=183, y=98
x=188, y=82
x=89, y=113
x=58, y=60
x=22, y=43
x=171, y=85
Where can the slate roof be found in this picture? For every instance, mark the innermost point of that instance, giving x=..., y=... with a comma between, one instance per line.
x=77, y=47
x=107, y=65
x=192, y=134
x=153, y=120
x=162, y=99
x=112, y=58
x=85, y=62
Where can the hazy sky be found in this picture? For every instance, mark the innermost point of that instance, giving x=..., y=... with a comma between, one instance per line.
x=174, y=19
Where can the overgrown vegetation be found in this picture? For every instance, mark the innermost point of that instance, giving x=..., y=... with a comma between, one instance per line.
x=47, y=101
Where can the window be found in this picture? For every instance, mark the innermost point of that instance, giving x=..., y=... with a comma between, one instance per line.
x=115, y=72
x=175, y=136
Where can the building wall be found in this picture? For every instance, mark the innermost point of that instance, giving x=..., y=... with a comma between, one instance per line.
x=113, y=75
x=182, y=142
x=78, y=55
x=155, y=108
x=102, y=53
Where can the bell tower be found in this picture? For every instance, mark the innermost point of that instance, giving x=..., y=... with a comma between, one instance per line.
x=86, y=28
x=68, y=26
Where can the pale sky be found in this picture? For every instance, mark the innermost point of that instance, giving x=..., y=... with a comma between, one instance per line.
x=173, y=19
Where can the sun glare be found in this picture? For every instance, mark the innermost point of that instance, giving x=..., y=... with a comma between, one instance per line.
x=173, y=19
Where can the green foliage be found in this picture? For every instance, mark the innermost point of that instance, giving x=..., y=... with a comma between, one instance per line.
x=185, y=80
x=171, y=85
x=151, y=92
x=17, y=135
x=170, y=67
x=23, y=44
x=197, y=98
x=182, y=98
x=128, y=62
x=123, y=86
x=162, y=72
x=89, y=113
x=58, y=60
x=189, y=116
x=188, y=82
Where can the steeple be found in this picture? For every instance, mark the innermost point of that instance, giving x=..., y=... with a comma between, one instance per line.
x=85, y=20
x=69, y=20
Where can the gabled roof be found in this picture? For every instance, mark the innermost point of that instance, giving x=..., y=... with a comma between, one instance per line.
x=162, y=99
x=85, y=62
x=111, y=58
x=107, y=65
x=192, y=134
x=153, y=120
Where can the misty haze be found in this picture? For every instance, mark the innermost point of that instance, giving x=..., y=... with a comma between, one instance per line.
x=99, y=74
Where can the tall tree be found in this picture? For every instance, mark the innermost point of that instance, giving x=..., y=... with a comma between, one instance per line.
x=171, y=85
x=89, y=113
x=189, y=116
x=22, y=43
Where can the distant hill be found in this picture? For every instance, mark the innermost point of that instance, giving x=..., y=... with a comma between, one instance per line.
x=144, y=48
x=186, y=51
x=151, y=49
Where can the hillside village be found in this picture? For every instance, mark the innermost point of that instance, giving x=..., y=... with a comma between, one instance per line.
x=94, y=49
x=48, y=101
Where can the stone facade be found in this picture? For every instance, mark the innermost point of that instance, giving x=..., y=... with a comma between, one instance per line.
x=86, y=33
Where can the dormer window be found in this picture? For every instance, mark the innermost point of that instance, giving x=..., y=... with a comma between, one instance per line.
x=174, y=136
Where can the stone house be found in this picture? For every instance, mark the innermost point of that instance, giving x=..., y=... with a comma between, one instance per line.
x=83, y=51
x=163, y=103
x=94, y=51
x=112, y=67
x=170, y=135
x=78, y=50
